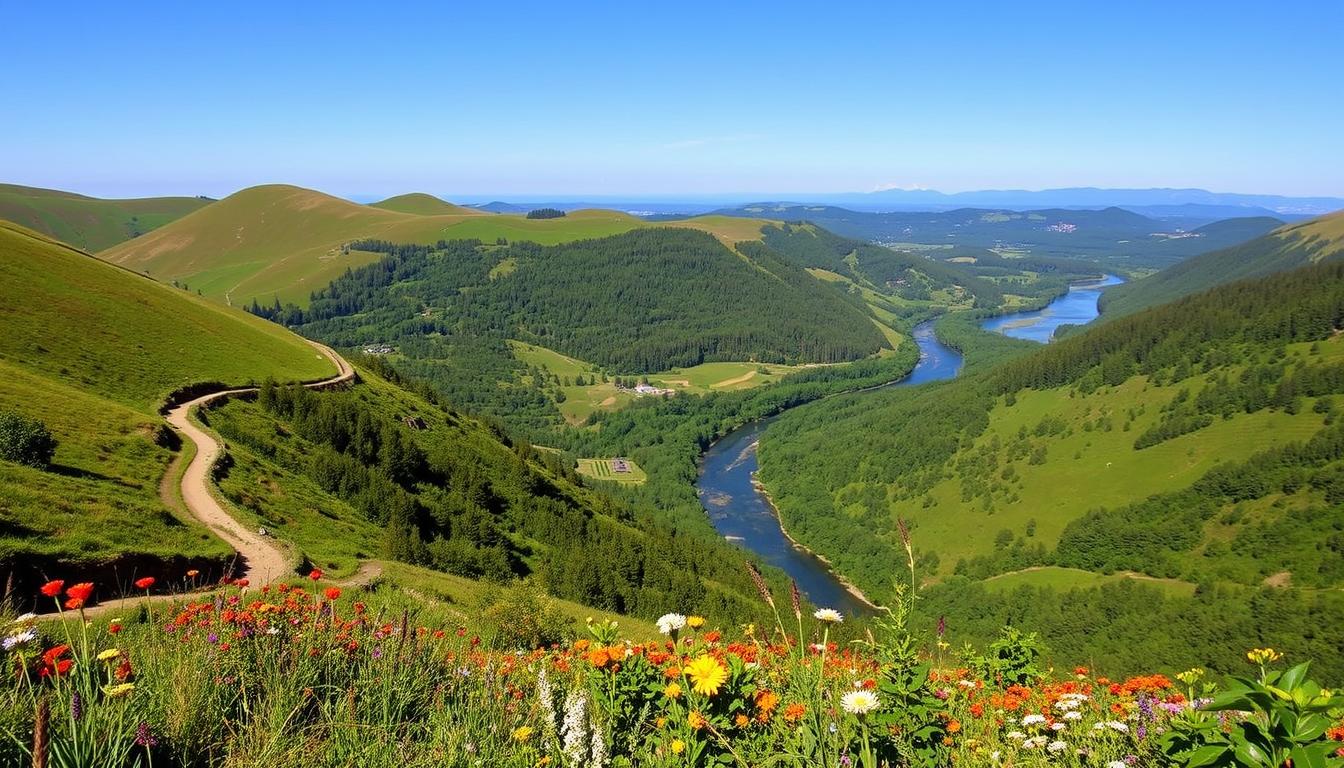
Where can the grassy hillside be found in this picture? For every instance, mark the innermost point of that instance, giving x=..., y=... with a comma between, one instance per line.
x=1288, y=247
x=89, y=222
x=279, y=242
x=91, y=350
x=422, y=204
x=1194, y=443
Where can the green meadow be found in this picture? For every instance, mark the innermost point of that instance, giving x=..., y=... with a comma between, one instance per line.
x=600, y=469
x=88, y=222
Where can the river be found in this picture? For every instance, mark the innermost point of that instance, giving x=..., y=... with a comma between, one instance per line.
x=1077, y=307
x=742, y=513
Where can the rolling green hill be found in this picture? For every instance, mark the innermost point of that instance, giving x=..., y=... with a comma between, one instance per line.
x=422, y=204
x=92, y=350
x=279, y=242
x=1288, y=247
x=1197, y=443
x=89, y=222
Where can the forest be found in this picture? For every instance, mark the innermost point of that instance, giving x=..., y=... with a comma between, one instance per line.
x=838, y=468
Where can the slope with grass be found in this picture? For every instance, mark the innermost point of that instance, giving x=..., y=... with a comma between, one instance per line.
x=281, y=243
x=1288, y=247
x=1197, y=442
x=93, y=351
x=88, y=222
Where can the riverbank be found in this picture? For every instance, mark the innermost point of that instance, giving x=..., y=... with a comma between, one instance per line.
x=840, y=579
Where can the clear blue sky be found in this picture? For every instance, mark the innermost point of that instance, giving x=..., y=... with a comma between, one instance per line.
x=671, y=98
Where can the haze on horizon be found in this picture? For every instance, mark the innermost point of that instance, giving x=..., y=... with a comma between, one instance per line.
x=751, y=100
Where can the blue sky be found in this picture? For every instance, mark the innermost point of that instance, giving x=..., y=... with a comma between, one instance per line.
x=524, y=99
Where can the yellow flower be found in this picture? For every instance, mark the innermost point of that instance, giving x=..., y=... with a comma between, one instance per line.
x=696, y=720
x=660, y=723
x=672, y=691
x=678, y=746
x=695, y=622
x=523, y=733
x=1190, y=676
x=707, y=675
x=1263, y=655
x=121, y=689
x=109, y=654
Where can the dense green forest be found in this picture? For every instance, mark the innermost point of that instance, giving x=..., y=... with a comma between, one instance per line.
x=1257, y=526
x=640, y=302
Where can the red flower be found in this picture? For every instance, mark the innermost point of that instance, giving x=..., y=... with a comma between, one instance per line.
x=144, y=583
x=315, y=574
x=53, y=653
x=114, y=628
x=53, y=588
x=81, y=592
x=240, y=582
x=333, y=593
x=74, y=604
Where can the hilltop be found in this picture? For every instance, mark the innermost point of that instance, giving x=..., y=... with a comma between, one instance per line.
x=1177, y=465
x=92, y=351
x=89, y=222
x=1287, y=247
x=279, y=242
x=422, y=204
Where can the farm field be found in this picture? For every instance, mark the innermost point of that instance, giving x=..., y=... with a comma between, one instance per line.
x=1060, y=578
x=582, y=400
x=601, y=469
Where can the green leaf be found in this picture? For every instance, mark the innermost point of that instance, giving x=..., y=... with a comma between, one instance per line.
x=1251, y=755
x=1294, y=677
x=1203, y=756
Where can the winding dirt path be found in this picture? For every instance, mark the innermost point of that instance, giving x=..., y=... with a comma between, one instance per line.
x=262, y=558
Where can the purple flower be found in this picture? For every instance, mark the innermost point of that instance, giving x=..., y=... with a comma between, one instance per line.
x=76, y=706
x=845, y=761
x=143, y=736
x=212, y=637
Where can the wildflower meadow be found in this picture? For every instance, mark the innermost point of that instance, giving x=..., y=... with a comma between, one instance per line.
x=302, y=674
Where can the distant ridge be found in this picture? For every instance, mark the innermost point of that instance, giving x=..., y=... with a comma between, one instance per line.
x=1099, y=197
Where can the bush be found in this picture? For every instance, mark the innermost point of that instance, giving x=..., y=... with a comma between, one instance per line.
x=25, y=441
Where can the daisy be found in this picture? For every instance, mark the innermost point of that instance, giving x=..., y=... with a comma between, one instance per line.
x=671, y=622
x=859, y=702
x=829, y=615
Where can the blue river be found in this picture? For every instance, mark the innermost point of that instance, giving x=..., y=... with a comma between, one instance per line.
x=742, y=513
x=1077, y=307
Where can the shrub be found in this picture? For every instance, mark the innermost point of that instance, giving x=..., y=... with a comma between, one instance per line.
x=25, y=441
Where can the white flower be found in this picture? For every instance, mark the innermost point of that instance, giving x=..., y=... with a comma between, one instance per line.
x=859, y=702
x=1035, y=742
x=26, y=636
x=1057, y=726
x=995, y=756
x=1057, y=746
x=1016, y=735
x=1064, y=705
x=671, y=622
x=1118, y=726
x=829, y=615
x=1033, y=719
x=1117, y=764
x=966, y=683
x=25, y=618
x=1073, y=715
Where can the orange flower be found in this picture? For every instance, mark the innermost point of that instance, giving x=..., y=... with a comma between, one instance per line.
x=53, y=588
x=193, y=573
x=741, y=721
x=598, y=657
x=766, y=701
x=74, y=604
x=144, y=583
x=696, y=720
x=954, y=726
x=794, y=712
x=333, y=592
x=82, y=591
